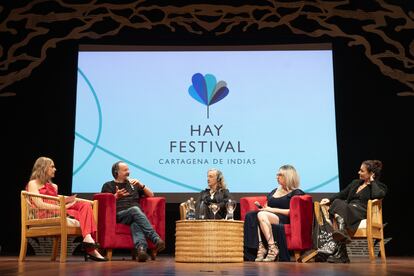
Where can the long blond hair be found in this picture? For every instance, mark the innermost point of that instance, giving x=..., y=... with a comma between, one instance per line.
x=40, y=168
x=291, y=177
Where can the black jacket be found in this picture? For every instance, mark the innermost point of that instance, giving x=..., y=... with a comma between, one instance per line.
x=375, y=190
x=221, y=197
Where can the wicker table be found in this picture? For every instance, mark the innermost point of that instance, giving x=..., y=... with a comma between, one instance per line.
x=209, y=241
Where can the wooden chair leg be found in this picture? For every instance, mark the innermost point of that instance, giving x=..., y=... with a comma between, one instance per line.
x=371, y=249
x=109, y=254
x=308, y=255
x=63, y=248
x=23, y=249
x=55, y=248
x=382, y=250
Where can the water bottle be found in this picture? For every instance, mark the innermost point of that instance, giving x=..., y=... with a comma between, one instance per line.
x=202, y=210
x=190, y=209
x=190, y=215
x=230, y=206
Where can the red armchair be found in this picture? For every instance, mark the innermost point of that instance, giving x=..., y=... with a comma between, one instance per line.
x=299, y=231
x=112, y=235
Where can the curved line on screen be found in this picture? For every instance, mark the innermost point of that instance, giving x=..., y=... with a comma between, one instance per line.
x=137, y=166
x=320, y=185
x=99, y=127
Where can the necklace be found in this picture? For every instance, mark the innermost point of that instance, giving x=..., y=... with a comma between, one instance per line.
x=361, y=187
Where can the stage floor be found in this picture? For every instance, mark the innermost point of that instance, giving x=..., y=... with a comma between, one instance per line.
x=166, y=265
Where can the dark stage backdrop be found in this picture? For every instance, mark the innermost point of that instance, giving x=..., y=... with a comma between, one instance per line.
x=373, y=61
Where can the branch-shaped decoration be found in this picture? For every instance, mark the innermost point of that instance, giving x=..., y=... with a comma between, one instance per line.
x=206, y=90
x=383, y=31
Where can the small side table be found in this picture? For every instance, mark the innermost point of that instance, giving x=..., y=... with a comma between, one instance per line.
x=209, y=241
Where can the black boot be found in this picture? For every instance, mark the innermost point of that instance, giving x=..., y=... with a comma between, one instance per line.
x=321, y=258
x=341, y=234
x=341, y=255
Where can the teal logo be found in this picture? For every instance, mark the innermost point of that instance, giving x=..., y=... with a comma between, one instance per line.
x=206, y=90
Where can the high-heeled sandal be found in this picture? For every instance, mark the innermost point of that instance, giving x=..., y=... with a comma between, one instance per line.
x=261, y=253
x=273, y=253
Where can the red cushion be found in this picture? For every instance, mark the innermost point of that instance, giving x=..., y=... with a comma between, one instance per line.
x=122, y=229
x=247, y=204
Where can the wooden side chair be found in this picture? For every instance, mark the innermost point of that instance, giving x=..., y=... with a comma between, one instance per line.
x=38, y=222
x=371, y=228
x=183, y=211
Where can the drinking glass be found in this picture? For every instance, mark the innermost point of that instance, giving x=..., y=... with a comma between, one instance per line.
x=214, y=207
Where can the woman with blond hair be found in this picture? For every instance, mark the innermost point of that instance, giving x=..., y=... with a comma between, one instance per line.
x=258, y=230
x=41, y=183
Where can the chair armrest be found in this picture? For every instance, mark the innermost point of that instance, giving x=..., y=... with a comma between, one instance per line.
x=37, y=206
x=84, y=200
x=247, y=204
x=301, y=219
x=154, y=209
x=106, y=217
x=374, y=213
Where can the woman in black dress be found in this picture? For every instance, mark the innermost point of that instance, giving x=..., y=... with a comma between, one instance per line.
x=259, y=226
x=349, y=206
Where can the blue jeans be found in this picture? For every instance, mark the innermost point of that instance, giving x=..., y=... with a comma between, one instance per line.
x=140, y=226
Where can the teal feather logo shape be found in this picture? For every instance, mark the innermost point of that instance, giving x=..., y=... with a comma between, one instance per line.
x=206, y=90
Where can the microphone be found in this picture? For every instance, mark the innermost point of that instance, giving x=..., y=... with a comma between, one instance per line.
x=132, y=186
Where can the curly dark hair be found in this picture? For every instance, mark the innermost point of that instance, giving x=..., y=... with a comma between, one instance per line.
x=373, y=166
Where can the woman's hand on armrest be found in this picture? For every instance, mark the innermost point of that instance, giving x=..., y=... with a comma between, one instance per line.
x=70, y=199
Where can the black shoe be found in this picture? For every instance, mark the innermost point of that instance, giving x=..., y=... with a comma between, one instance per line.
x=160, y=245
x=94, y=258
x=89, y=245
x=341, y=255
x=142, y=254
x=321, y=258
x=340, y=260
